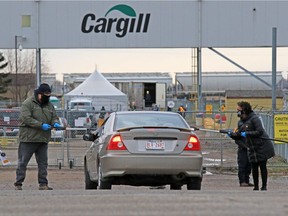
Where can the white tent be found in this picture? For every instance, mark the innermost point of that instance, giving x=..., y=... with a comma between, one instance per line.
x=101, y=92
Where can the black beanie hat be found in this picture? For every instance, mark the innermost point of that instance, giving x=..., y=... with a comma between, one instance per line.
x=44, y=88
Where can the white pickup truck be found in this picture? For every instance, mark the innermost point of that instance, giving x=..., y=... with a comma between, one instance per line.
x=81, y=104
x=80, y=113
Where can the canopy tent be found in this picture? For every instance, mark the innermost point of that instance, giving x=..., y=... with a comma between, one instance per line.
x=101, y=92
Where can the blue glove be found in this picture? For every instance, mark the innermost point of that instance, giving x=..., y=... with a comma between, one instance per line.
x=46, y=127
x=229, y=133
x=243, y=134
x=56, y=125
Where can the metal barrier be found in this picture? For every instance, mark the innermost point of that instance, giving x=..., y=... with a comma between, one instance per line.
x=221, y=148
x=281, y=148
x=218, y=149
x=75, y=148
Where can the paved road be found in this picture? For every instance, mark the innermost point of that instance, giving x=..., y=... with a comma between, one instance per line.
x=220, y=195
x=143, y=202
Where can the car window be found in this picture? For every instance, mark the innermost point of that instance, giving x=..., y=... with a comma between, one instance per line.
x=149, y=119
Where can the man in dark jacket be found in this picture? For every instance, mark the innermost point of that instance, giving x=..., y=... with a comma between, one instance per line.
x=260, y=148
x=36, y=117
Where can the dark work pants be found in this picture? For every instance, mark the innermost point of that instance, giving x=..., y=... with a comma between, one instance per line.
x=244, y=166
x=25, y=152
x=264, y=173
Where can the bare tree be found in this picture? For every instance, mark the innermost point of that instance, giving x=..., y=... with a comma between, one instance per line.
x=3, y=64
x=4, y=77
x=25, y=79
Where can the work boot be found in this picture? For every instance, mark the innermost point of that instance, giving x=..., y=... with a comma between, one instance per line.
x=18, y=187
x=45, y=187
x=244, y=184
x=256, y=188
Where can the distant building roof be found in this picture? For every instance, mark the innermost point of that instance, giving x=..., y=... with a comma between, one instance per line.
x=155, y=74
x=221, y=81
x=138, y=77
x=123, y=77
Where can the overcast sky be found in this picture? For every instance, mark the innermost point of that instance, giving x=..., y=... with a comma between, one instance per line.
x=161, y=60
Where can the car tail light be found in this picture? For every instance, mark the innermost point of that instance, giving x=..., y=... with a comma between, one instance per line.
x=116, y=143
x=193, y=144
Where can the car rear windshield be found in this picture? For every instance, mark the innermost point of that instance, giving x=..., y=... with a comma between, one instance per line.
x=148, y=119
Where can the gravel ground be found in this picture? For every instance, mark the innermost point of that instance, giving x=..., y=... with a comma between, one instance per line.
x=73, y=179
x=220, y=194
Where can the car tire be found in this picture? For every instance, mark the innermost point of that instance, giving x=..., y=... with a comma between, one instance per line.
x=88, y=183
x=103, y=185
x=175, y=187
x=194, y=183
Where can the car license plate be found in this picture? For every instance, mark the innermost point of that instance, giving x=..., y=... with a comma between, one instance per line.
x=155, y=145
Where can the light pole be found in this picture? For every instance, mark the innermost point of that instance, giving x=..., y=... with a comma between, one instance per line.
x=16, y=64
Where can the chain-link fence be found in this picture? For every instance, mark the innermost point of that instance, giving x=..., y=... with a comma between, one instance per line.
x=221, y=150
x=67, y=147
x=276, y=124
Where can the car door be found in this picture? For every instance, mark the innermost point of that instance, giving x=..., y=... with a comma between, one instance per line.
x=92, y=154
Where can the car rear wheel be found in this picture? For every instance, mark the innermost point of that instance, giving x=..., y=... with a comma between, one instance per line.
x=194, y=183
x=88, y=183
x=103, y=185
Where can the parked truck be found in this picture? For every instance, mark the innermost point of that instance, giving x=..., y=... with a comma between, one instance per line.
x=81, y=104
x=79, y=115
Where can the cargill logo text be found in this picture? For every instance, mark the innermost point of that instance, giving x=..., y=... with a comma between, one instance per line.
x=121, y=26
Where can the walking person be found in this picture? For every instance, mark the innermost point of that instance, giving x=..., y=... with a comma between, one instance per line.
x=36, y=117
x=132, y=106
x=102, y=113
x=182, y=110
x=148, y=99
x=156, y=108
x=260, y=148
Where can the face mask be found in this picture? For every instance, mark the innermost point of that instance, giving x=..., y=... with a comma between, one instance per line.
x=239, y=113
x=44, y=99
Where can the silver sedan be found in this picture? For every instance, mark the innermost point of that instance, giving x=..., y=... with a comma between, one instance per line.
x=143, y=148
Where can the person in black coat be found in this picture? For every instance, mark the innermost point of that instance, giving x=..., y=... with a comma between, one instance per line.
x=244, y=165
x=260, y=148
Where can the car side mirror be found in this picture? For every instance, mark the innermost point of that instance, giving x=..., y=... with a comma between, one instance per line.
x=89, y=137
x=86, y=137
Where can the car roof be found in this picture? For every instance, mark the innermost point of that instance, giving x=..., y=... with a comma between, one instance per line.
x=149, y=112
